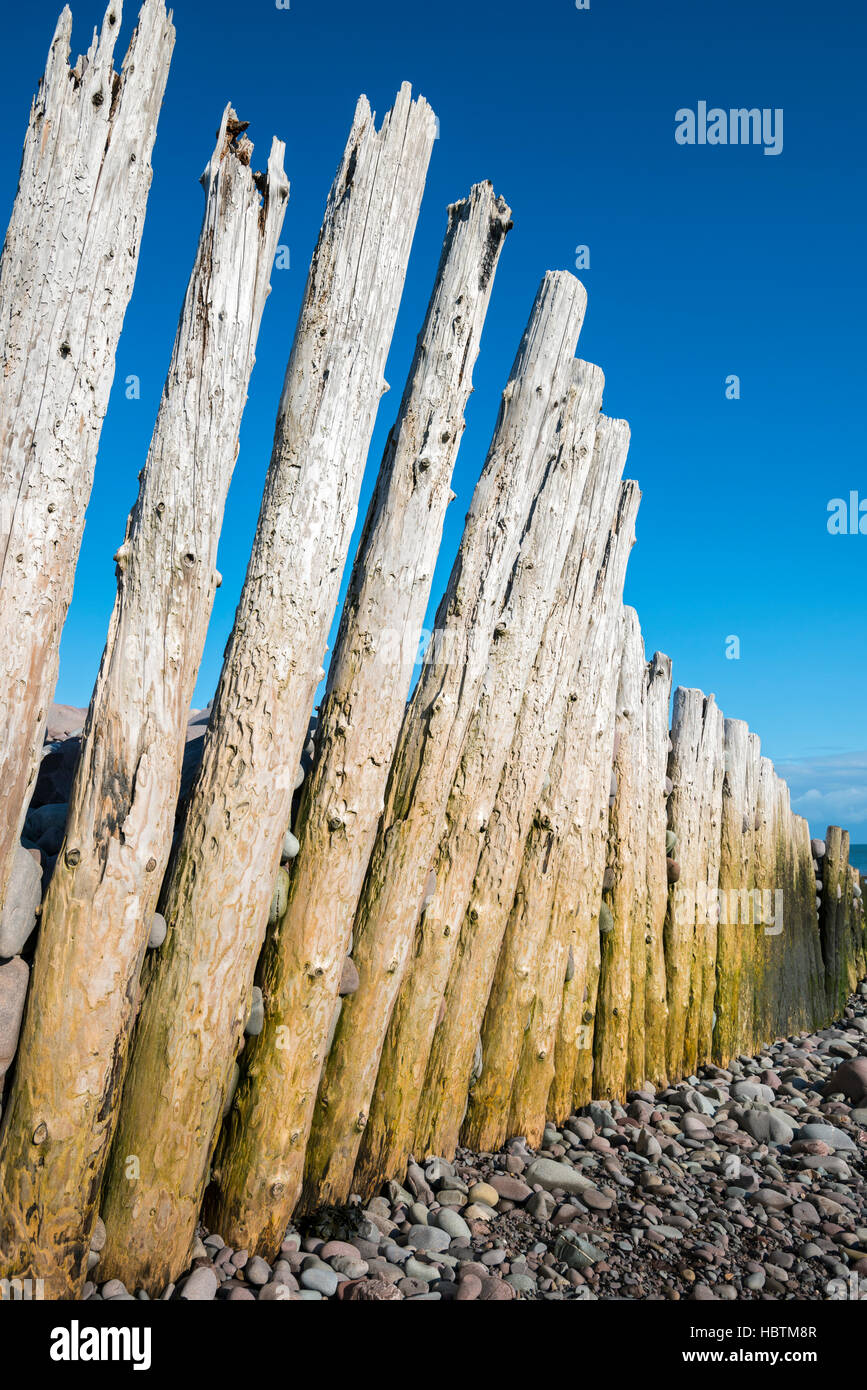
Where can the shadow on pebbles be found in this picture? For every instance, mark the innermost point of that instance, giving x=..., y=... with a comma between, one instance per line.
x=745, y=1183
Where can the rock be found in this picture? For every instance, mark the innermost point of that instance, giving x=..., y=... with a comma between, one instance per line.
x=550, y=1175
x=201, y=1286
x=256, y=1020
x=13, y=992
x=511, y=1188
x=290, y=847
x=98, y=1235
x=484, y=1192
x=450, y=1221
x=349, y=980
x=827, y=1134
x=280, y=898
x=765, y=1124
x=324, y=1281
x=21, y=904
x=752, y=1090
x=157, y=934
x=849, y=1080
x=371, y=1291
x=818, y=848
x=469, y=1288
x=428, y=1238
x=606, y=921
x=257, y=1271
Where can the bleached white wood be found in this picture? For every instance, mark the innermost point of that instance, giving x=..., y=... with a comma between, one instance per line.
x=695, y=768
x=219, y=888
x=66, y=275
x=444, y=702
x=481, y=962
x=97, y=915
x=357, y=730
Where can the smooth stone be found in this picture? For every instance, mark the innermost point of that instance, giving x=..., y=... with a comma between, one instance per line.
x=452, y=1223
x=201, y=1286
x=550, y=1175
x=827, y=1134
x=323, y=1281
x=431, y=1237
x=484, y=1192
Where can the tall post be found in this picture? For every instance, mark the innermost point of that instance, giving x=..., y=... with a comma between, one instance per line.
x=103, y=891
x=524, y=452
x=369, y=677
x=217, y=894
x=66, y=276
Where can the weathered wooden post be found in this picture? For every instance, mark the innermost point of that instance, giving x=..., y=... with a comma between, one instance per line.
x=625, y=899
x=535, y=403
x=492, y=886
x=733, y=879
x=97, y=915
x=220, y=884
x=560, y=888
x=834, y=918
x=359, y=722
x=66, y=276
x=491, y=990
x=654, y=1024
x=695, y=770
x=544, y=581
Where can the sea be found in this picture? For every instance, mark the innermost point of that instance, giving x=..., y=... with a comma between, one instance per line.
x=858, y=857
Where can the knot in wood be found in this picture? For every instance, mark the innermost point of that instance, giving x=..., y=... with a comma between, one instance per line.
x=150, y=866
x=72, y=858
x=40, y=1133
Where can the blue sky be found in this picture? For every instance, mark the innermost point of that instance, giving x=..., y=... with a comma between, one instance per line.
x=704, y=262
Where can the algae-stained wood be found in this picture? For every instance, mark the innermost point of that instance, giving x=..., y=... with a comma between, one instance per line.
x=733, y=880
x=217, y=894
x=97, y=914
x=543, y=582
x=521, y=783
x=837, y=941
x=433, y=730
x=485, y=993
x=654, y=1024
x=695, y=770
x=369, y=677
x=625, y=898
x=561, y=876
x=66, y=275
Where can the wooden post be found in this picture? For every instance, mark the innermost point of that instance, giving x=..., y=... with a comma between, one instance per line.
x=741, y=921
x=695, y=770
x=834, y=918
x=511, y=899
x=533, y=595
x=626, y=897
x=536, y=402
x=102, y=895
x=357, y=730
x=560, y=888
x=66, y=275
x=217, y=894
x=733, y=878
x=654, y=1024
x=547, y=692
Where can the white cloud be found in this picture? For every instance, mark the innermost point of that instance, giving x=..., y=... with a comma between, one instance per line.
x=830, y=791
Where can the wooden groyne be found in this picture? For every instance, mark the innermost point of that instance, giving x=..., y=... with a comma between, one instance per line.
x=535, y=878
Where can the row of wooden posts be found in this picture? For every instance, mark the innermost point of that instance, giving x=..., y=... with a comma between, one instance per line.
x=533, y=878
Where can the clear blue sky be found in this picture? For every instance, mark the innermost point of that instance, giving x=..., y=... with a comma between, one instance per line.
x=704, y=261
